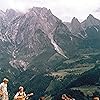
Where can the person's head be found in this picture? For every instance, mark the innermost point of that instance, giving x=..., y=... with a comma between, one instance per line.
x=42, y=98
x=95, y=98
x=70, y=97
x=21, y=89
x=5, y=80
x=64, y=97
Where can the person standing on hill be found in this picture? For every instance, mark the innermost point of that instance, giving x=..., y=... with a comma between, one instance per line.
x=3, y=90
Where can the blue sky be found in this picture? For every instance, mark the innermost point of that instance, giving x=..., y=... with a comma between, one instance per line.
x=63, y=9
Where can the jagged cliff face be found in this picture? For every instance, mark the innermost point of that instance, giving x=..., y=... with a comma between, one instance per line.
x=77, y=29
x=29, y=34
x=90, y=21
x=86, y=30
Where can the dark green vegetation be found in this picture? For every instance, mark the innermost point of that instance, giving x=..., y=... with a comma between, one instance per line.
x=50, y=74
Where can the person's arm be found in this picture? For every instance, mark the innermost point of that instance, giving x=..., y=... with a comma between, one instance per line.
x=24, y=94
x=0, y=86
x=15, y=97
x=1, y=90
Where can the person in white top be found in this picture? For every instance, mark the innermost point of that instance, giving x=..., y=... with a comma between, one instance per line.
x=3, y=89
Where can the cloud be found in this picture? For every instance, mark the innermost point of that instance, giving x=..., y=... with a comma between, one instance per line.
x=97, y=10
x=64, y=9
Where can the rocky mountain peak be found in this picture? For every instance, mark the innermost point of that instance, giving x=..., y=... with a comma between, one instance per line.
x=32, y=31
x=2, y=14
x=75, y=21
x=11, y=14
x=9, y=11
x=41, y=11
x=90, y=16
x=42, y=18
x=75, y=26
x=90, y=21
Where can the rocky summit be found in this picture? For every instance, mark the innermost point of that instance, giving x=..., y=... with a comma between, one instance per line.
x=50, y=57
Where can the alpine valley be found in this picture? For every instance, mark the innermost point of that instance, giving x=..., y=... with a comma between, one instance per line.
x=50, y=57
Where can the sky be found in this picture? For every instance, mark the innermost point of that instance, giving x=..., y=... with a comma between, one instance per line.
x=63, y=9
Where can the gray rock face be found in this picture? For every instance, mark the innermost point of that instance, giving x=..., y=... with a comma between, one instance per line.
x=68, y=24
x=42, y=18
x=77, y=29
x=90, y=21
x=29, y=34
x=28, y=29
x=2, y=14
x=75, y=26
x=11, y=14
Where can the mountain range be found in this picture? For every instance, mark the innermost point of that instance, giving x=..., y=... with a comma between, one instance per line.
x=48, y=56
